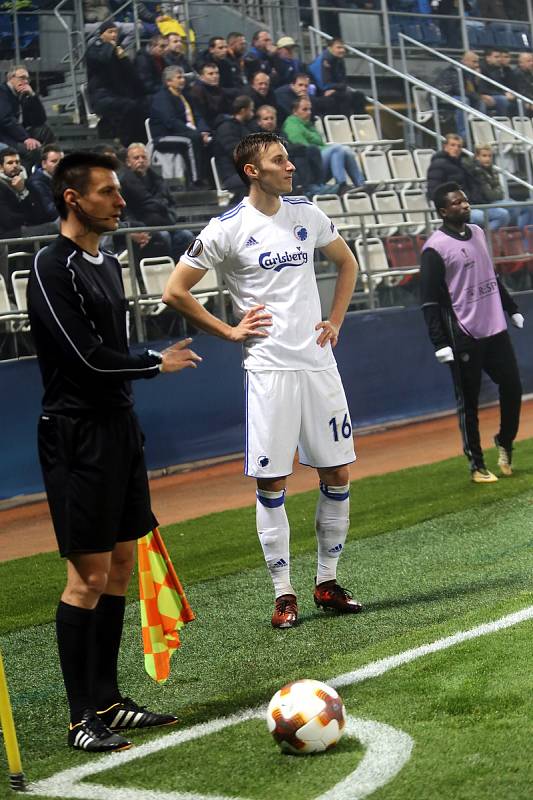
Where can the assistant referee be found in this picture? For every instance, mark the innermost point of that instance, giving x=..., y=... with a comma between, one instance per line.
x=91, y=445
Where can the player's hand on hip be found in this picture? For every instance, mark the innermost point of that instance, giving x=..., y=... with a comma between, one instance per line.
x=254, y=319
x=179, y=356
x=329, y=333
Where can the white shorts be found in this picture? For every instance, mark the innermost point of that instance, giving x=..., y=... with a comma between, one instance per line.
x=289, y=409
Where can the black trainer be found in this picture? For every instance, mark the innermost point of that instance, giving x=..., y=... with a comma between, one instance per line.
x=127, y=714
x=93, y=735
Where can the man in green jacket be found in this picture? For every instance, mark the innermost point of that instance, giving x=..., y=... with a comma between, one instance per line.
x=338, y=160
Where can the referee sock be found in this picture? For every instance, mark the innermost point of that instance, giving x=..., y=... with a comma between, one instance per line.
x=106, y=633
x=274, y=535
x=332, y=521
x=73, y=629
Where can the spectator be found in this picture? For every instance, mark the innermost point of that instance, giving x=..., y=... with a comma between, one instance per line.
x=260, y=90
x=174, y=55
x=150, y=63
x=486, y=187
x=508, y=74
x=447, y=81
x=171, y=115
x=217, y=53
x=208, y=98
x=286, y=96
x=495, y=100
x=22, y=116
x=306, y=158
x=40, y=184
x=337, y=160
x=115, y=91
x=523, y=79
x=329, y=74
x=286, y=62
x=18, y=212
x=97, y=11
x=228, y=134
x=449, y=28
x=260, y=56
x=237, y=47
x=451, y=165
x=148, y=199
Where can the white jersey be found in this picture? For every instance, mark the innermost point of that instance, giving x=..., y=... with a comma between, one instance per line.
x=269, y=260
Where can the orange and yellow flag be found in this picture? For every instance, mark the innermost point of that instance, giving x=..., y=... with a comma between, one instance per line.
x=164, y=607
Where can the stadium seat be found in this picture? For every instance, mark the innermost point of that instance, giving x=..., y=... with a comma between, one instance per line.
x=319, y=125
x=155, y=274
x=482, y=132
x=523, y=126
x=423, y=109
x=388, y=211
x=365, y=132
x=415, y=203
x=402, y=254
x=172, y=165
x=208, y=286
x=331, y=205
x=19, y=282
x=509, y=251
x=359, y=203
x=422, y=157
x=223, y=195
x=376, y=167
x=402, y=166
x=92, y=118
x=372, y=259
x=338, y=130
x=505, y=138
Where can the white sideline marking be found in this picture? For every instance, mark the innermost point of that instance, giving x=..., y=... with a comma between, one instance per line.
x=387, y=748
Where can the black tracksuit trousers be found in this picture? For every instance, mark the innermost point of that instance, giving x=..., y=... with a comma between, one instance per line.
x=495, y=356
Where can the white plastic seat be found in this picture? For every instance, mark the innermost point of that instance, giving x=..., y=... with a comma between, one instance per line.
x=155, y=273
x=365, y=132
x=19, y=282
x=376, y=167
x=208, y=286
x=523, y=125
x=172, y=164
x=422, y=158
x=402, y=166
x=388, y=201
x=482, y=132
x=92, y=118
x=338, y=130
x=319, y=125
x=423, y=110
x=223, y=196
x=359, y=203
x=505, y=138
x=414, y=203
x=331, y=205
x=372, y=259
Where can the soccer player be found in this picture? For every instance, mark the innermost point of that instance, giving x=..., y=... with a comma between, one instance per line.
x=91, y=445
x=294, y=396
x=463, y=303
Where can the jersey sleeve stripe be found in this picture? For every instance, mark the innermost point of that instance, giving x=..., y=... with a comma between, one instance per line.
x=64, y=332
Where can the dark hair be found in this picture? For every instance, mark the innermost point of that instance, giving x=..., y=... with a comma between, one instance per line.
x=74, y=172
x=213, y=39
x=248, y=149
x=441, y=192
x=241, y=102
x=207, y=65
x=7, y=151
x=234, y=35
x=256, y=34
x=299, y=76
x=296, y=105
x=50, y=148
x=335, y=40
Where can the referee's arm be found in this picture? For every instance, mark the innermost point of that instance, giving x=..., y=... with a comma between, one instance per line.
x=432, y=292
x=54, y=303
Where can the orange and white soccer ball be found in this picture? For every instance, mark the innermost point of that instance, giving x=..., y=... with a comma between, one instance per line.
x=306, y=716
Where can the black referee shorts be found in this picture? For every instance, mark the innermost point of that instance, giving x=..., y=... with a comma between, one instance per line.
x=95, y=479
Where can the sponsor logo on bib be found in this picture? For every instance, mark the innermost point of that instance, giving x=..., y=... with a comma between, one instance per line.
x=277, y=261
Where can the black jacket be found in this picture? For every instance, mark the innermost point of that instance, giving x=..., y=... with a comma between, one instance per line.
x=485, y=183
x=40, y=185
x=262, y=100
x=110, y=75
x=229, y=133
x=208, y=102
x=168, y=118
x=15, y=211
x=149, y=70
x=148, y=199
x=444, y=168
x=229, y=69
x=33, y=115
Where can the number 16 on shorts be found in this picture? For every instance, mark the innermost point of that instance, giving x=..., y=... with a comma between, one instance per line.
x=341, y=429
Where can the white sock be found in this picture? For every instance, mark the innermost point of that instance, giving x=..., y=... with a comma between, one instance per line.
x=332, y=521
x=274, y=534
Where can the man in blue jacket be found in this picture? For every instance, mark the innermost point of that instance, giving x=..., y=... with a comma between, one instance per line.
x=329, y=74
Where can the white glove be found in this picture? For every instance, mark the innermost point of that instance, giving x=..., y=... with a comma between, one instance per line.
x=517, y=320
x=444, y=354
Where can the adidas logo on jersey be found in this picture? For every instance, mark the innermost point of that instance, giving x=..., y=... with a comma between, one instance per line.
x=250, y=242
x=336, y=549
x=280, y=563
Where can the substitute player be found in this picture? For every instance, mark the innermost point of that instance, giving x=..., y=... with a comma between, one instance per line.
x=463, y=303
x=294, y=396
x=90, y=444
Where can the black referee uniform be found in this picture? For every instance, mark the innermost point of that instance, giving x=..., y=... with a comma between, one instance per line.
x=90, y=442
x=492, y=354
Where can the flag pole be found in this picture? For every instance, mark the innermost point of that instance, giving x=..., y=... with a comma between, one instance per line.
x=16, y=775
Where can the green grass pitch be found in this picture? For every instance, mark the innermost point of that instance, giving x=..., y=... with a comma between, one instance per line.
x=429, y=555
